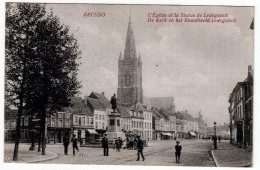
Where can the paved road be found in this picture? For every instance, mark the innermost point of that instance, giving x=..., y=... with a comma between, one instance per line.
x=195, y=153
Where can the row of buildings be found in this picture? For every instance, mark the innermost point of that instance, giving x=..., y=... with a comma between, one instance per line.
x=88, y=119
x=241, y=112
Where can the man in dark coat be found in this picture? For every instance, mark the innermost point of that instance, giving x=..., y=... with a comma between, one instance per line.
x=178, y=149
x=140, y=147
x=66, y=142
x=74, y=141
x=117, y=145
x=105, y=145
x=113, y=103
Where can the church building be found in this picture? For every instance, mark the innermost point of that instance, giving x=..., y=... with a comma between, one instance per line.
x=129, y=89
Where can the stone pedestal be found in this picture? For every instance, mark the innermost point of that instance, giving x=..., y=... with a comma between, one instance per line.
x=114, y=129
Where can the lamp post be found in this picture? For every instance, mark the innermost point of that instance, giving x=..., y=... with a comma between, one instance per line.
x=215, y=136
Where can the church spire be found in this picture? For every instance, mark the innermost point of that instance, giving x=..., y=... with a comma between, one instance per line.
x=139, y=58
x=120, y=56
x=130, y=51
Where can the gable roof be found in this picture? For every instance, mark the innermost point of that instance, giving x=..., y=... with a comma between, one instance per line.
x=137, y=107
x=78, y=106
x=157, y=114
x=95, y=104
x=102, y=98
x=123, y=111
x=184, y=115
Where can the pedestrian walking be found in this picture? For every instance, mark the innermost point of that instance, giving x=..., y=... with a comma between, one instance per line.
x=140, y=147
x=219, y=139
x=74, y=141
x=178, y=149
x=66, y=142
x=105, y=145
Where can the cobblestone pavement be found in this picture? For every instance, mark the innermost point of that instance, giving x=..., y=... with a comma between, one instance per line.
x=24, y=155
x=195, y=153
x=228, y=155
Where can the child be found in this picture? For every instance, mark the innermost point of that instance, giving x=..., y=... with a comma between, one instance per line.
x=178, y=151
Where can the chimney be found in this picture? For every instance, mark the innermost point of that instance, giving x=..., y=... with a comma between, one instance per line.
x=103, y=93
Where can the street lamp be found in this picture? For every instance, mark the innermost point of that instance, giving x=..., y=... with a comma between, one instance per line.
x=215, y=136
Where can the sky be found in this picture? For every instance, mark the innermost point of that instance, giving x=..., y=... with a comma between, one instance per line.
x=198, y=64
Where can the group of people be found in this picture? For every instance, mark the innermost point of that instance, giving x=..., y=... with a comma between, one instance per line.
x=66, y=142
x=118, y=145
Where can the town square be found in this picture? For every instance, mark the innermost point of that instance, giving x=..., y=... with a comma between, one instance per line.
x=89, y=86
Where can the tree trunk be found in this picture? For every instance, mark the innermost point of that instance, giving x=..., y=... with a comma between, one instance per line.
x=39, y=142
x=43, y=126
x=18, y=132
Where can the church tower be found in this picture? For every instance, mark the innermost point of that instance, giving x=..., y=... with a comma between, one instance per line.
x=129, y=88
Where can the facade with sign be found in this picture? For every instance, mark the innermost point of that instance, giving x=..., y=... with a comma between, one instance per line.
x=58, y=125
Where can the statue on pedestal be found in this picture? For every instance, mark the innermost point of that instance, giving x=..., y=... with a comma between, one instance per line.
x=113, y=102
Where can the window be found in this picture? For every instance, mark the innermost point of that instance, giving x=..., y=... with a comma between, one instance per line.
x=103, y=117
x=125, y=80
x=241, y=115
x=96, y=125
x=87, y=120
x=103, y=125
x=96, y=116
x=60, y=115
x=83, y=121
x=99, y=117
x=67, y=123
x=118, y=122
x=76, y=120
x=112, y=122
x=129, y=80
x=60, y=123
x=80, y=123
x=91, y=121
x=22, y=121
x=52, y=122
x=67, y=115
x=26, y=121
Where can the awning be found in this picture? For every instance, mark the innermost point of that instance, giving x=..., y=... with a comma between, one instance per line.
x=192, y=134
x=92, y=131
x=166, y=134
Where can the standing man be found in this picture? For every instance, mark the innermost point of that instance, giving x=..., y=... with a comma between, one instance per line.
x=113, y=102
x=120, y=142
x=117, y=145
x=178, y=149
x=140, y=147
x=66, y=142
x=105, y=144
x=74, y=141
